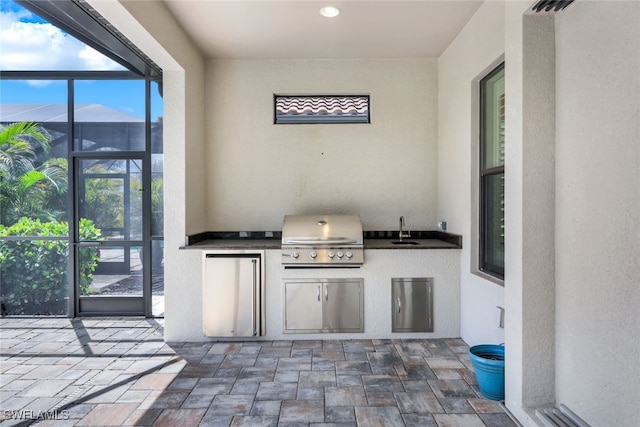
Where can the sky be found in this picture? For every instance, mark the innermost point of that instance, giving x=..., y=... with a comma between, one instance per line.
x=27, y=42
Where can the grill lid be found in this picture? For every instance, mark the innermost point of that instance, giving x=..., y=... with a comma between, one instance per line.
x=322, y=230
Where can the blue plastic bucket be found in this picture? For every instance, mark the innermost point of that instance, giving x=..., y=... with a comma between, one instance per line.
x=488, y=364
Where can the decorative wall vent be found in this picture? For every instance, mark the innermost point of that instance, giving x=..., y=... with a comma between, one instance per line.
x=321, y=109
x=548, y=5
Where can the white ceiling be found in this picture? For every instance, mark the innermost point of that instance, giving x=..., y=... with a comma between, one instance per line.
x=268, y=29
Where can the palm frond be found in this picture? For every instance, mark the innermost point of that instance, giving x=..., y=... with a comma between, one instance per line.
x=20, y=142
x=27, y=132
x=56, y=171
x=31, y=178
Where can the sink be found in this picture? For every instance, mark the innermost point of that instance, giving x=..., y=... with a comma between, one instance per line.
x=405, y=242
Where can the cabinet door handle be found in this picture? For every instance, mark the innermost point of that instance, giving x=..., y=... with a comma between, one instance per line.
x=318, y=293
x=326, y=293
x=253, y=300
x=399, y=304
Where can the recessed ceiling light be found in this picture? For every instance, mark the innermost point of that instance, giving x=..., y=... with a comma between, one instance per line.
x=329, y=11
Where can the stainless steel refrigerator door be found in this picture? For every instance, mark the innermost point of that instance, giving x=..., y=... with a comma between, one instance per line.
x=231, y=295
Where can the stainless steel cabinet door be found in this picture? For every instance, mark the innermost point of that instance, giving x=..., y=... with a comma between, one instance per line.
x=231, y=295
x=303, y=306
x=323, y=305
x=342, y=309
x=412, y=304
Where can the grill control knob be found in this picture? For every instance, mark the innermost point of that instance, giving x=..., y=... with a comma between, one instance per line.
x=295, y=255
x=339, y=254
x=349, y=255
x=330, y=254
x=313, y=255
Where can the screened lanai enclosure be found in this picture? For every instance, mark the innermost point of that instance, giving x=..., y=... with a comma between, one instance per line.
x=81, y=179
x=104, y=206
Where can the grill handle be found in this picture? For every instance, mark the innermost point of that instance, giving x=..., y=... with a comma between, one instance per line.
x=321, y=241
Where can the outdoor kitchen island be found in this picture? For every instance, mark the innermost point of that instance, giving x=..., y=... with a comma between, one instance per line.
x=433, y=255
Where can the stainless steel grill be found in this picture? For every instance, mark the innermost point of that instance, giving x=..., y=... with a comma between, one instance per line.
x=322, y=241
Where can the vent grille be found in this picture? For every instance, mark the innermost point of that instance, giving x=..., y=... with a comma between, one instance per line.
x=321, y=109
x=560, y=417
x=549, y=5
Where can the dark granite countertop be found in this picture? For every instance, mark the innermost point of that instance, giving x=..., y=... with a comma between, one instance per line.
x=224, y=244
x=233, y=240
x=412, y=244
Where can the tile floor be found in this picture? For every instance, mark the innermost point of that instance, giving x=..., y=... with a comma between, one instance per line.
x=99, y=372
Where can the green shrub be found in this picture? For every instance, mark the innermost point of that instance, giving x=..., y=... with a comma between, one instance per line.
x=33, y=275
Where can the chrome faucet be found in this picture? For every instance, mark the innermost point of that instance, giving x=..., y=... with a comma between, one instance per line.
x=402, y=233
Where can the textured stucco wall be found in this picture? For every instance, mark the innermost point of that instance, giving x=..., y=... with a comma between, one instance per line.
x=537, y=277
x=477, y=50
x=529, y=213
x=155, y=32
x=257, y=171
x=497, y=32
x=598, y=211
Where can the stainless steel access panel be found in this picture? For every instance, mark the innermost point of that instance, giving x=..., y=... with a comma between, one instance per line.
x=412, y=304
x=233, y=294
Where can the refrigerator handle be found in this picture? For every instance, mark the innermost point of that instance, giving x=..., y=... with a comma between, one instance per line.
x=255, y=296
